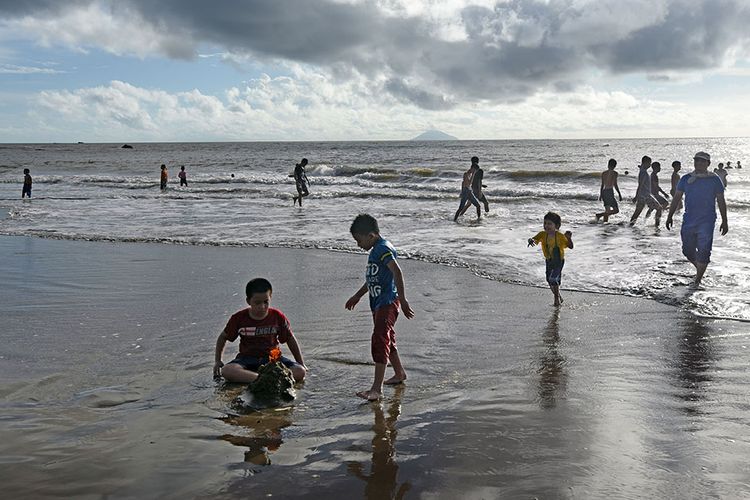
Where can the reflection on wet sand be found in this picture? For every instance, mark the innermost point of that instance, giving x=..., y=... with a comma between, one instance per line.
x=261, y=433
x=695, y=360
x=552, y=375
x=382, y=481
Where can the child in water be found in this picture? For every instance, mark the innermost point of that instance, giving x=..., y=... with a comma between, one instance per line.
x=554, y=244
x=26, y=190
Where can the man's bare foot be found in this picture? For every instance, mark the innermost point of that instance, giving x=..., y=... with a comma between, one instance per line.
x=395, y=380
x=370, y=395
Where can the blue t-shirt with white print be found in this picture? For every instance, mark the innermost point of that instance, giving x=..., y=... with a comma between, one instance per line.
x=379, y=279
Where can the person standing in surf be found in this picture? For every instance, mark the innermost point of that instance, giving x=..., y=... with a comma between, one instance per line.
x=676, y=165
x=27, y=181
x=467, y=195
x=703, y=190
x=643, y=196
x=476, y=186
x=300, y=179
x=164, y=179
x=607, y=191
x=183, y=176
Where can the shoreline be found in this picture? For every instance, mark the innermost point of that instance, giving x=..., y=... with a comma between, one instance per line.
x=453, y=264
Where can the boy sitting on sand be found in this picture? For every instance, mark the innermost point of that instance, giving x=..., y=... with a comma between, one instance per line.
x=554, y=244
x=260, y=328
x=385, y=285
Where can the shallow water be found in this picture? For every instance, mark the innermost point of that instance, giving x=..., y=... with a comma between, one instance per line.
x=102, y=192
x=106, y=385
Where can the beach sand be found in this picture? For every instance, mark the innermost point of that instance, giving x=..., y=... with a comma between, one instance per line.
x=106, y=387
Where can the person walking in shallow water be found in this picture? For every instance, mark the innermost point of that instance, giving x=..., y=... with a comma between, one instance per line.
x=643, y=196
x=676, y=165
x=467, y=195
x=27, y=181
x=476, y=186
x=183, y=176
x=607, y=191
x=164, y=177
x=300, y=179
x=703, y=190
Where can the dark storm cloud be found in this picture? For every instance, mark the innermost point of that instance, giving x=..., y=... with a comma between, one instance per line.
x=508, y=52
x=25, y=7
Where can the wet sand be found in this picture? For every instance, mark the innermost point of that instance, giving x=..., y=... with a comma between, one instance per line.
x=106, y=388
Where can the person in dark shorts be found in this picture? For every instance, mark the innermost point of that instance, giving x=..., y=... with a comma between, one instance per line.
x=656, y=191
x=183, y=176
x=300, y=179
x=477, y=185
x=260, y=329
x=553, y=244
x=607, y=191
x=27, y=181
x=643, y=196
x=467, y=194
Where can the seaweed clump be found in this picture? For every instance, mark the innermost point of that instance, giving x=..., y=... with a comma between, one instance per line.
x=275, y=381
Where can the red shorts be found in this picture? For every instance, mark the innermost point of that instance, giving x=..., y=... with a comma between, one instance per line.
x=383, y=335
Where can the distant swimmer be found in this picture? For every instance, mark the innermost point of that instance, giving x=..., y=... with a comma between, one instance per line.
x=476, y=186
x=300, y=179
x=722, y=173
x=164, y=177
x=729, y=165
x=676, y=165
x=703, y=191
x=26, y=189
x=553, y=244
x=607, y=191
x=643, y=196
x=739, y=165
x=467, y=195
x=183, y=176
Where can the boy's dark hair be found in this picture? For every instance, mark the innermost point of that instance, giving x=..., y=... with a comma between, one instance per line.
x=364, y=224
x=474, y=159
x=26, y=171
x=646, y=159
x=257, y=285
x=676, y=163
x=656, y=164
x=554, y=218
x=612, y=162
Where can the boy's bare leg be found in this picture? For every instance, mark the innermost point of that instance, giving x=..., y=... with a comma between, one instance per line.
x=556, y=292
x=376, y=391
x=399, y=374
x=638, y=209
x=658, y=216
x=700, y=268
x=233, y=372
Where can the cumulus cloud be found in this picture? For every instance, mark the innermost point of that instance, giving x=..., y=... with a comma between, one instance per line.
x=434, y=54
x=314, y=108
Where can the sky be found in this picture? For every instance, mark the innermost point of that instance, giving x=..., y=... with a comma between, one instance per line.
x=308, y=70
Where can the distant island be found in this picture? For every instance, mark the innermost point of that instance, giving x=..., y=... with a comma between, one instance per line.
x=434, y=135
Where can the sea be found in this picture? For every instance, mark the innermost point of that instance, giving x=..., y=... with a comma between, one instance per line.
x=240, y=194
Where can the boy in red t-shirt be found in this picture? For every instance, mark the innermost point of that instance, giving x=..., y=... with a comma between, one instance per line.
x=260, y=328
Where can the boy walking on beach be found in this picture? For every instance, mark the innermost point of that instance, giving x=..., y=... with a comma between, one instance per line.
x=300, y=178
x=260, y=328
x=554, y=244
x=384, y=283
x=643, y=196
x=26, y=189
x=467, y=195
x=607, y=191
x=183, y=176
x=703, y=191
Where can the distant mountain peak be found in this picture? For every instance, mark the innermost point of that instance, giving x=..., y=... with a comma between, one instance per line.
x=434, y=135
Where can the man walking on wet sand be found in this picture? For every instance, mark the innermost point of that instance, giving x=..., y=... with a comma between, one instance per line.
x=703, y=191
